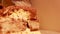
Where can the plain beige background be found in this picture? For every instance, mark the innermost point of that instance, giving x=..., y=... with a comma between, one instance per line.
x=49, y=14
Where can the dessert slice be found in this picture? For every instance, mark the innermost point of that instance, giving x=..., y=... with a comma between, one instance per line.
x=17, y=19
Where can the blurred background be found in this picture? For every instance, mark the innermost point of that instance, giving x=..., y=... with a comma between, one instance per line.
x=48, y=13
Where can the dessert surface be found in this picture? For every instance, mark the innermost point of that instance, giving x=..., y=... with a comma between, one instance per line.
x=18, y=19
